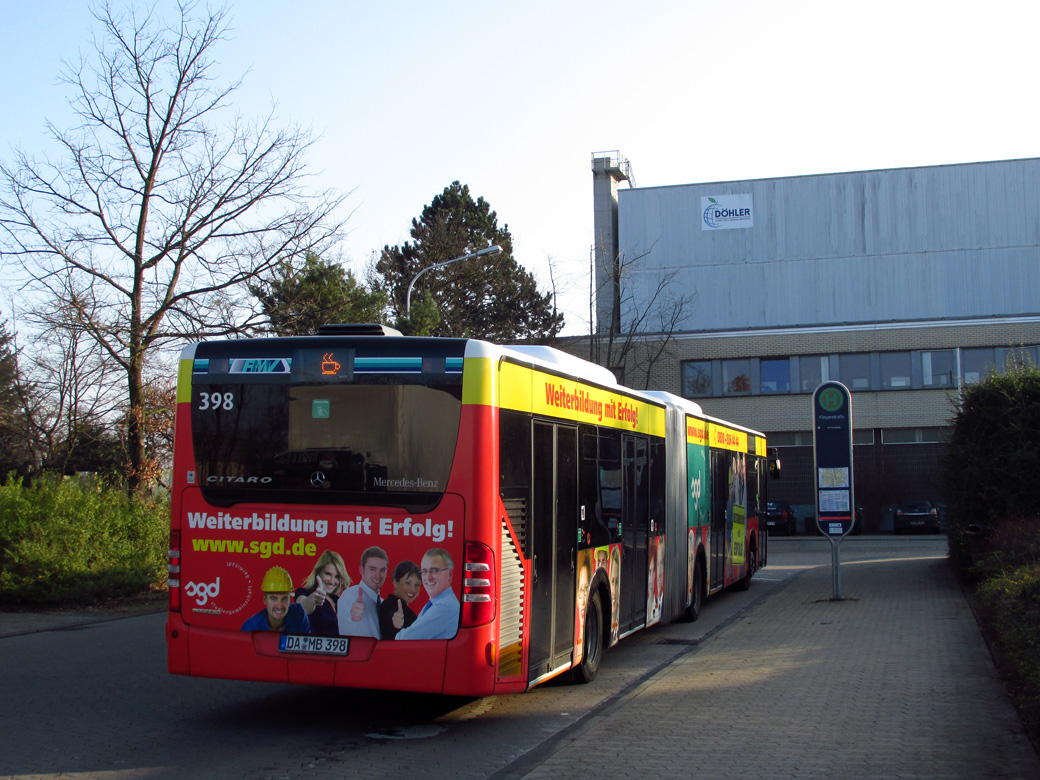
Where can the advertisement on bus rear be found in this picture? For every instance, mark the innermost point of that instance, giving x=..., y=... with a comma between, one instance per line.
x=319, y=571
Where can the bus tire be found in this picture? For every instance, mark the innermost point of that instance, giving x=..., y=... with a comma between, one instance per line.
x=694, y=610
x=592, y=644
x=752, y=563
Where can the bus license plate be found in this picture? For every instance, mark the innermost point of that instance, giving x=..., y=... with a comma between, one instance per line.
x=325, y=645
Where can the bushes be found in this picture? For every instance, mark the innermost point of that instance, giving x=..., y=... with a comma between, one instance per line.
x=72, y=542
x=993, y=457
x=994, y=525
x=1013, y=545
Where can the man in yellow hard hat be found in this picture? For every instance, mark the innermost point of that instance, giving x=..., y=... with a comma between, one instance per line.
x=279, y=613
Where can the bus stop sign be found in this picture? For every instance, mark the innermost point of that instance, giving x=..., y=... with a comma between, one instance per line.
x=832, y=455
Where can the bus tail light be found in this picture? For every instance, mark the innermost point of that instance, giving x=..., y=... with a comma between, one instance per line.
x=174, y=567
x=478, y=587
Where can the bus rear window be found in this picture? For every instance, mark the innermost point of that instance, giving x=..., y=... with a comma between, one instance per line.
x=376, y=442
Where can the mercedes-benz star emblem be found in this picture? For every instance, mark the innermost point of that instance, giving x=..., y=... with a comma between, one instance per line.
x=318, y=479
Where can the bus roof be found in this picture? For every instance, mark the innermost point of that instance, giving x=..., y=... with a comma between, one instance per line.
x=693, y=408
x=547, y=357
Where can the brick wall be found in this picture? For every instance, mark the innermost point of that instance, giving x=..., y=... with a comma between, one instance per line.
x=883, y=475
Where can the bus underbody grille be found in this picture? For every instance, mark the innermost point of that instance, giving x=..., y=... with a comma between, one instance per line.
x=511, y=609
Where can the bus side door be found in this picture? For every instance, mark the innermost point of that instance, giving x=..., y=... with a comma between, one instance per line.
x=635, y=521
x=553, y=531
x=720, y=491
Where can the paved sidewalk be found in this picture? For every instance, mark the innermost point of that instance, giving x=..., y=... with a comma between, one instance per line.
x=893, y=682
x=20, y=622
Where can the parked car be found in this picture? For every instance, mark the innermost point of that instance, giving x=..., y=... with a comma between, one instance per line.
x=916, y=515
x=780, y=518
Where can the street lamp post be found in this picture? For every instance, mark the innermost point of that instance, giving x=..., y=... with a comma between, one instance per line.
x=491, y=250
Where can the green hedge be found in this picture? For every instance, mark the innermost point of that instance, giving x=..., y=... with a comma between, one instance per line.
x=993, y=458
x=67, y=541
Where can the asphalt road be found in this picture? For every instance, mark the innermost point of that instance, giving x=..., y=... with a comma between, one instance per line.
x=96, y=701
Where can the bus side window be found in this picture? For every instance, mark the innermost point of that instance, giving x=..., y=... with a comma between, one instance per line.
x=751, y=479
x=657, y=487
x=600, y=484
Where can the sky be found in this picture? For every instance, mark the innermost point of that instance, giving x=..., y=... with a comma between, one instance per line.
x=513, y=98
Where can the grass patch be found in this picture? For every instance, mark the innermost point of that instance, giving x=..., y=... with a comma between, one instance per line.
x=69, y=542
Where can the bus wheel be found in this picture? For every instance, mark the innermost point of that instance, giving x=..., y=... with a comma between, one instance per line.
x=752, y=564
x=592, y=646
x=694, y=610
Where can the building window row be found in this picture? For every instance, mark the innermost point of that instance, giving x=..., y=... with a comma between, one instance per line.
x=923, y=435
x=859, y=371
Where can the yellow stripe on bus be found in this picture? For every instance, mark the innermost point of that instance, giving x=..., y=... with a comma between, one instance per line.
x=478, y=382
x=184, y=371
x=760, y=446
x=723, y=438
x=525, y=389
x=696, y=431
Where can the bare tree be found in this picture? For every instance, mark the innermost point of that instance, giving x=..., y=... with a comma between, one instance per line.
x=16, y=446
x=73, y=394
x=154, y=218
x=640, y=331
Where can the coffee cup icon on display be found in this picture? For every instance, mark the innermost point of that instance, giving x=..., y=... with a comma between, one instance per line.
x=329, y=366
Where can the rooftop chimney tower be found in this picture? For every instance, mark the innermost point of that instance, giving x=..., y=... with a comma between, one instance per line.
x=608, y=170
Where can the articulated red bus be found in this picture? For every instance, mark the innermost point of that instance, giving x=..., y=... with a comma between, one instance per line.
x=363, y=509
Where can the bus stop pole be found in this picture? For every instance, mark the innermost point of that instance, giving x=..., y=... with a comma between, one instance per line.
x=836, y=567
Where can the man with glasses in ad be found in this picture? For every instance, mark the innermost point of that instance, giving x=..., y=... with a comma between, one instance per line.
x=439, y=619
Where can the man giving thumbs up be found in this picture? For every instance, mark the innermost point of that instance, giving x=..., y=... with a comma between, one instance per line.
x=361, y=618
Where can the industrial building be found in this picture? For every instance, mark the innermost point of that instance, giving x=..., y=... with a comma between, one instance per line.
x=905, y=285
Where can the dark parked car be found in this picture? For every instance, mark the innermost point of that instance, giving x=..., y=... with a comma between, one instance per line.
x=916, y=515
x=780, y=518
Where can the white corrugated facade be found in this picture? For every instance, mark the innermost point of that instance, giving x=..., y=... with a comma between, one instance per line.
x=953, y=241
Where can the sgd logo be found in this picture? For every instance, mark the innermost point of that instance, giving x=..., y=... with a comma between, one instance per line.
x=202, y=591
x=695, y=488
